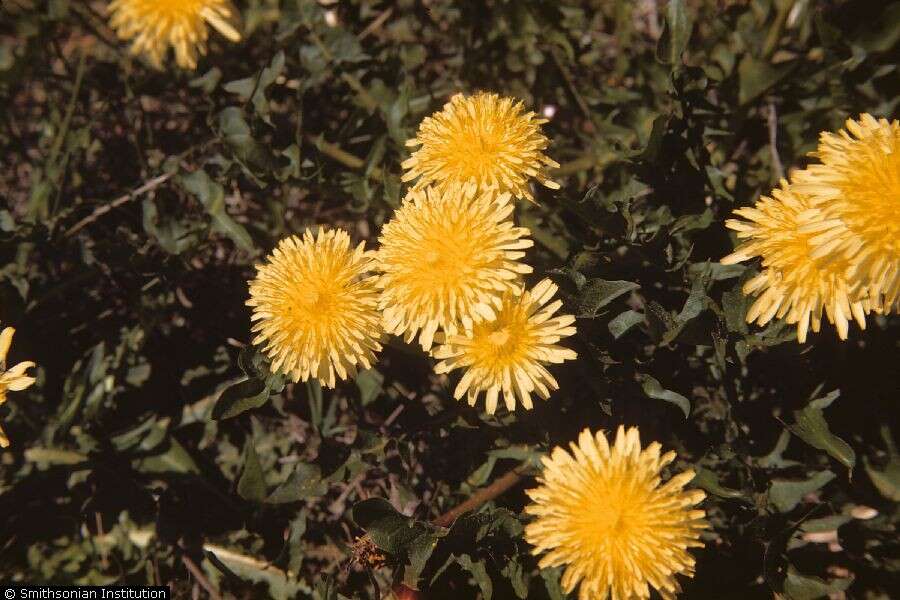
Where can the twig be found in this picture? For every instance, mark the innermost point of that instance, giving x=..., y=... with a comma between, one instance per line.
x=483, y=495
x=200, y=577
x=102, y=210
x=772, y=119
x=486, y=494
x=104, y=560
x=376, y=24
x=393, y=416
x=337, y=153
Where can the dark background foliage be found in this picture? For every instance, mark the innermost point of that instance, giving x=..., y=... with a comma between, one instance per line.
x=136, y=203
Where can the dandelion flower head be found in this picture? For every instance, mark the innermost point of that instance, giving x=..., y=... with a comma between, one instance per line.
x=315, y=307
x=855, y=191
x=154, y=26
x=13, y=379
x=604, y=514
x=509, y=352
x=481, y=141
x=795, y=283
x=443, y=257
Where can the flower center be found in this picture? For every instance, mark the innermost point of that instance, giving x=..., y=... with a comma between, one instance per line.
x=311, y=298
x=499, y=337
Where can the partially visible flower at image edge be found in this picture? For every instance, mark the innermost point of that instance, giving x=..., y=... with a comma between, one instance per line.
x=444, y=257
x=315, y=307
x=604, y=515
x=154, y=26
x=855, y=196
x=13, y=380
x=794, y=284
x=481, y=141
x=508, y=354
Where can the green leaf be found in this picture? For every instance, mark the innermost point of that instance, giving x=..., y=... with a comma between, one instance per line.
x=390, y=530
x=798, y=586
x=518, y=577
x=785, y=494
x=597, y=293
x=479, y=573
x=54, y=456
x=676, y=33
x=252, y=484
x=171, y=235
x=774, y=460
x=237, y=135
x=212, y=196
x=695, y=302
x=757, y=76
x=240, y=397
x=709, y=481
x=551, y=577
x=175, y=459
x=305, y=482
x=419, y=550
x=208, y=82
x=734, y=305
x=620, y=325
x=811, y=427
x=655, y=390
x=253, y=89
x=369, y=383
x=281, y=585
x=887, y=481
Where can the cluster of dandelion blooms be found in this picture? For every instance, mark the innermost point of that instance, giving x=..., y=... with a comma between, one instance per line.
x=449, y=265
x=829, y=239
x=316, y=307
x=451, y=257
x=443, y=258
x=507, y=352
x=604, y=514
x=481, y=141
x=13, y=379
x=154, y=26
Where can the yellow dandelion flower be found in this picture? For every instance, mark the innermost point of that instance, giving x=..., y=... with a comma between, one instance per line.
x=856, y=193
x=156, y=25
x=795, y=283
x=482, y=141
x=508, y=353
x=315, y=309
x=14, y=379
x=443, y=257
x=604, y=514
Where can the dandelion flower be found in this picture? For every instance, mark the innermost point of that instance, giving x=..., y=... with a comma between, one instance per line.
x=156, y=25
x=795, y=283
x=508, y=353
x=856, y=193
x=315, y=309
x=14, y=379
x=481, y=141
x=604, y=514
x=443, y=257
